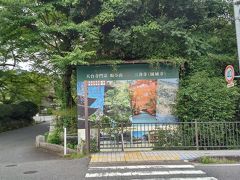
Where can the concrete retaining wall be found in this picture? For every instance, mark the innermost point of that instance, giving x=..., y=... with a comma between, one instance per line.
x=43, y=118
x=40, y=143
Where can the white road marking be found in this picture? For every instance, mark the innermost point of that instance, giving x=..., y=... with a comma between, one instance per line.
x=191, y=178
x=142, y=167
x=143, y=173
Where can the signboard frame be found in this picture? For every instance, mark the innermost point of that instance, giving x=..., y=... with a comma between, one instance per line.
x=94, y=81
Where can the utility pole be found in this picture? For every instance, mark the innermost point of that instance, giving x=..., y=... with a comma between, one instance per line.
x=236, y=4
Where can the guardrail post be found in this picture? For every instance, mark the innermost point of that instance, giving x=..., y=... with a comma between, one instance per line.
x=196, y=135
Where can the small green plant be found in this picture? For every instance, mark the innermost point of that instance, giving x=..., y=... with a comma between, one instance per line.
x=74, y=156
x=46, y=135
x=93, y=145
x=167, y=138
x=14, y=116
x=66, y=118
x=215, y=160
x=54, y=138
x=72, y=146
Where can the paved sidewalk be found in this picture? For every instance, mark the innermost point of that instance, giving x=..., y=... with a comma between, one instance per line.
x=143, y=156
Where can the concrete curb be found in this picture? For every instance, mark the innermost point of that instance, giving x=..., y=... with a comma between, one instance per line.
x=147, y=156
x=40, y=143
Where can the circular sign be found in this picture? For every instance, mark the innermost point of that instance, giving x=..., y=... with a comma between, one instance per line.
x=229, y=74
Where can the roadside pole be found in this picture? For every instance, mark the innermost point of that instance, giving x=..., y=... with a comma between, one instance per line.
x=65, y=141
x=237, y=25
x=229, y=71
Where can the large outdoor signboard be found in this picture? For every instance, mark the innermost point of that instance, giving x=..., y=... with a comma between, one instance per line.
x=140, y=93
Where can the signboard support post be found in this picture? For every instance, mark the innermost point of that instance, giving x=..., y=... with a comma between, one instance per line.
x=87, y=133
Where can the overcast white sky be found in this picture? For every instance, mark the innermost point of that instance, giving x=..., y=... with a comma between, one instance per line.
x=24, y=66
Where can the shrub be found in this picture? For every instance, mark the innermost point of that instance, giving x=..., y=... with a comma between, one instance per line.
x=67, y=118
x=18, y=111
x=5, y=111
x=168, y=138
x=206, y=98
x=210, y=136
x=23, y=110
x=93, y=145
x=72, y=146
x=29, y=108
x=13, y=116
x=54, y=138
x=46, y=135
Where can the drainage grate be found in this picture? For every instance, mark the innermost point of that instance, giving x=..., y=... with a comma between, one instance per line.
x=30, y=172
x=11, y=165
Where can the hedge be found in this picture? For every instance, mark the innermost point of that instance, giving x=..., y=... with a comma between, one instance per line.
x=13, y=116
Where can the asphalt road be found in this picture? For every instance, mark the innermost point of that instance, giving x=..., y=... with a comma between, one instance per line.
x=19, y=145
x=222, y=171
x=45, y=170
x=20, y=160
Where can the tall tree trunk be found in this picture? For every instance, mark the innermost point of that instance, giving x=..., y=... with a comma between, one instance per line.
x=67, y=88
x=184, y=70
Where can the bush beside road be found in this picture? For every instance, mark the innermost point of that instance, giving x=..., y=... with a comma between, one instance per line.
x=14, y=116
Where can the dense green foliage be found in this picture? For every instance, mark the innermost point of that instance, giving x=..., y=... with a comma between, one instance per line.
x=21, y=93
x=66, y=118
x=54, y=137
x=206, y=98
x=93, y=145
x=17, y=86
x=199, y=36
x=13, y=116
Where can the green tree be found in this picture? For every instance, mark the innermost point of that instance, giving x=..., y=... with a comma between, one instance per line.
x=17, y=86
x=59, y=34
x=55, y=35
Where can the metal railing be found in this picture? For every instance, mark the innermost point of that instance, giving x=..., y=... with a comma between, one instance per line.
x=180, y=135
